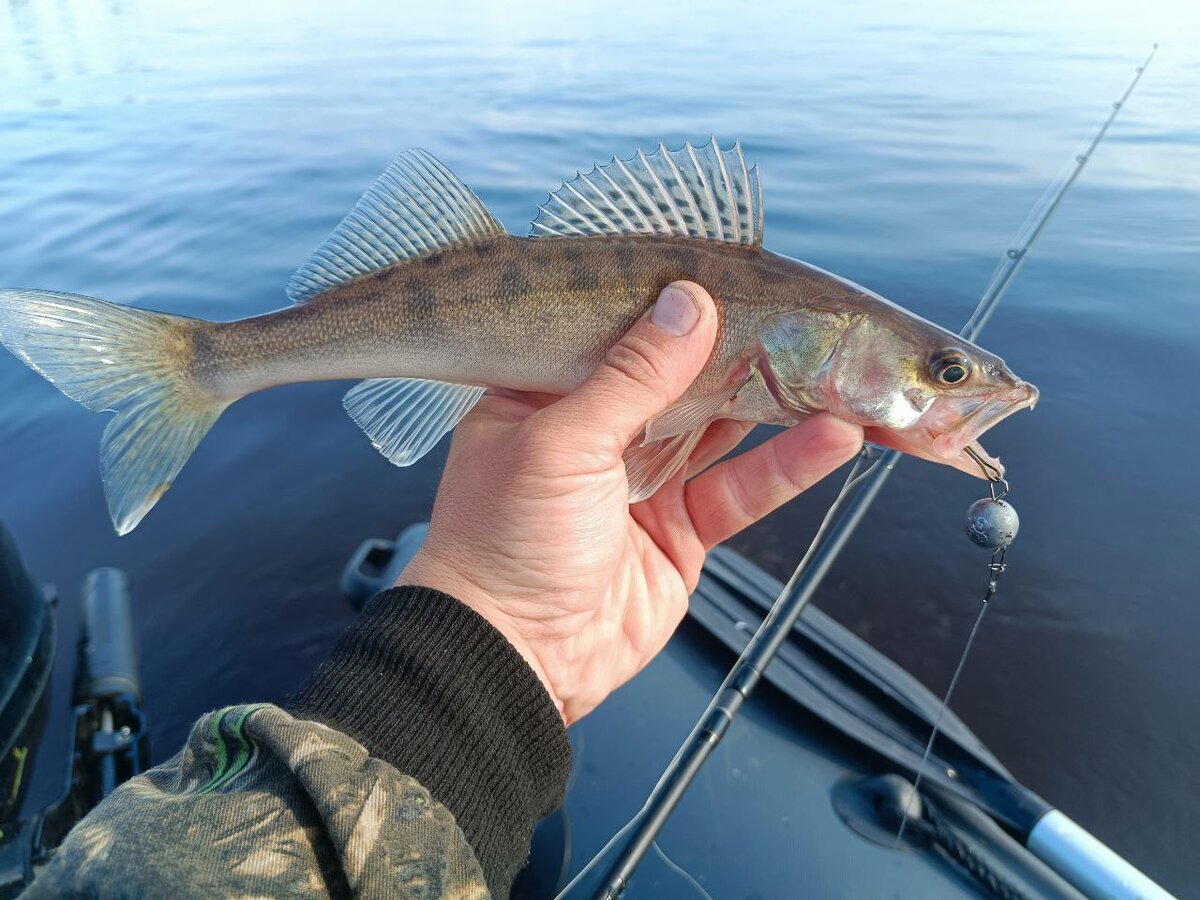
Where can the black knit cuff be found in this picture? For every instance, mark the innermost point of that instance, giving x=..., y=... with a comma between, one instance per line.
x=428, y=685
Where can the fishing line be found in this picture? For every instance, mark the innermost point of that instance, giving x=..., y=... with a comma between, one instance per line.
x=680, y=870
x=987, y=524
x=937, y=723
x=991, y=522
x=853, y=478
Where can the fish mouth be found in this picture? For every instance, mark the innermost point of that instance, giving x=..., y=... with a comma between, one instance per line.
x=967, y=418
x=990, y=410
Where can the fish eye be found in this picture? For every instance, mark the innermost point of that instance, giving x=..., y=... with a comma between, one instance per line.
x=951, y=367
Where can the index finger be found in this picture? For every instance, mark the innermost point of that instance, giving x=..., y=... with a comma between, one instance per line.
x=738, y=492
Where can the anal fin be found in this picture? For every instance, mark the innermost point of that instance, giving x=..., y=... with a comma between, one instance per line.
x=649, y=466
x=406, y=417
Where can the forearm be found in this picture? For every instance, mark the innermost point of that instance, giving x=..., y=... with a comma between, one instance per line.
x=429, y=686
x=262, y=804
x=416, y=760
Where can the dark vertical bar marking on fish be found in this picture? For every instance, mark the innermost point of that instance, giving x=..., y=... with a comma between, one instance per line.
x=514, y=285
x=625, y=266
x=423, y=295
x=583, y=275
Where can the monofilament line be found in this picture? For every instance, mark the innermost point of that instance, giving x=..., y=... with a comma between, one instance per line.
x=937, y=723
x=689, y=759
x=720, y=705
x=681, y=871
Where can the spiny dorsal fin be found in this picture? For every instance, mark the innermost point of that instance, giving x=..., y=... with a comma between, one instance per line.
x=415, y=207
x=699, y=192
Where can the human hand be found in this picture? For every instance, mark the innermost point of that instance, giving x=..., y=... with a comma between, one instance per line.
x=532, y=528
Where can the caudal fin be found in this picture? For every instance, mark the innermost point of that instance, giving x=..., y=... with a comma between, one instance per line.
x=129, y=361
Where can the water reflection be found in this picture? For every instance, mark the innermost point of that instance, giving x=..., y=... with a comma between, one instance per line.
x=57, y=47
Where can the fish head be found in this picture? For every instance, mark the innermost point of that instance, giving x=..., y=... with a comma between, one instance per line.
x=912, y=385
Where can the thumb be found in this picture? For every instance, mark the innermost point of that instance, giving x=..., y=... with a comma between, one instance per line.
x=646, y=371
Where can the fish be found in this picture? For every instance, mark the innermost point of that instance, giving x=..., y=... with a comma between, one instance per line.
x=422, y=294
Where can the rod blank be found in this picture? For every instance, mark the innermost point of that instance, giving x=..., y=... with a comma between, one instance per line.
x=824, y=550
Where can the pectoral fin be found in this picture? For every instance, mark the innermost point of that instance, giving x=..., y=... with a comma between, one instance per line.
x=691, y=412
x=649, y=466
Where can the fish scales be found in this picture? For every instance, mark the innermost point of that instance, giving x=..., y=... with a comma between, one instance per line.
x=461, y=315
x=422, y=294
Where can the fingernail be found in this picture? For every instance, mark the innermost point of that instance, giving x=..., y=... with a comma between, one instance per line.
x=675, y=312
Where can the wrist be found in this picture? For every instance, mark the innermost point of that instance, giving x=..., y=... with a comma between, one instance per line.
x=429, y=687
x=428, y=571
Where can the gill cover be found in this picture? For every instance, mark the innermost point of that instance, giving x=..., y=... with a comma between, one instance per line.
x=800, y=349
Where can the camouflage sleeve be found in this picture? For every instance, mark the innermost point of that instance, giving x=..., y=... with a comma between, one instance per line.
x=414, y=763
x=260, y=804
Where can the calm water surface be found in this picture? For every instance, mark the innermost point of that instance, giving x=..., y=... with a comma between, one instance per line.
x=188, y=157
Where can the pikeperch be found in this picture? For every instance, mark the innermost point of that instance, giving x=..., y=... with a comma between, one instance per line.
x=421, y=291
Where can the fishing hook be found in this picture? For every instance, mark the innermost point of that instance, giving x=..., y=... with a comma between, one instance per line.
x=994, y=475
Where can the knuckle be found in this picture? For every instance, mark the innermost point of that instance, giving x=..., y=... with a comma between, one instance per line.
x=639, y=361
x=741, y=495
x=792, y=470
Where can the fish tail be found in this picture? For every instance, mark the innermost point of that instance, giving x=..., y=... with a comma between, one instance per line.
x=133, y=362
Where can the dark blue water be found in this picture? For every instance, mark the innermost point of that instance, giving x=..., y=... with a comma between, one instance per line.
x=187, y=157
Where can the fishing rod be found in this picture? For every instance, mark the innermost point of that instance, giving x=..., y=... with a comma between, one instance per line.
x=839, y=524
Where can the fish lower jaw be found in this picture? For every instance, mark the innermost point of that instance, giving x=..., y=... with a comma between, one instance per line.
x=920, y=443
x=951, y=444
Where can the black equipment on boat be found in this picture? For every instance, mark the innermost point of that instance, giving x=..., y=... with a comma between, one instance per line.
x=106, y=731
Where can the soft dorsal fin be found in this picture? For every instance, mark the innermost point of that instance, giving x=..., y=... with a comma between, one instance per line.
x=415, y=207
x=699, y=192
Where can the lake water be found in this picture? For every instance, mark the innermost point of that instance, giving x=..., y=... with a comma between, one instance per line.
x=188, y=156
